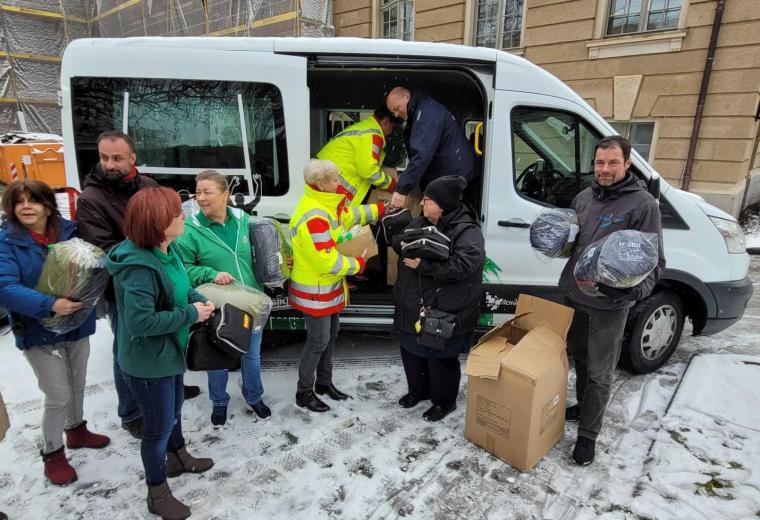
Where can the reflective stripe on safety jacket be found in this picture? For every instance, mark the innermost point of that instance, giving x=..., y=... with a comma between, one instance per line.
x=358, y=151
x=317, y=282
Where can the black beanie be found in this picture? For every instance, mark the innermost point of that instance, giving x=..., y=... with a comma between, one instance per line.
x=446, y=191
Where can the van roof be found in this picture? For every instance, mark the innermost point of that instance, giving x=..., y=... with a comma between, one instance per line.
x=513, y=72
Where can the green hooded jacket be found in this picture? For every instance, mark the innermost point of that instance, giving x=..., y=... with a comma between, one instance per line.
x=148, y=331
x=205, y=254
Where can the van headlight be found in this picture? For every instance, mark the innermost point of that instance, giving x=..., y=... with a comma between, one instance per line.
x=732, y=234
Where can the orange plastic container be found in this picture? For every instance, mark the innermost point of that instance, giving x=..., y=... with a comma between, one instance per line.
x=42, y=161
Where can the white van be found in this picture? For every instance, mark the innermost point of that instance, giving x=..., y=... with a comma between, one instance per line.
x=259, y=108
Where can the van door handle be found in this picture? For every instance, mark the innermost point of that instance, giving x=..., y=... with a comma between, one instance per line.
x=518, y=223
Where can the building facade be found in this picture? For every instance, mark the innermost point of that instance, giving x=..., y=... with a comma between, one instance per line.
x=640, y=63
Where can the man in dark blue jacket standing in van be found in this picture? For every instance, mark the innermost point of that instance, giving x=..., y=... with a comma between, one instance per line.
x=435, y=142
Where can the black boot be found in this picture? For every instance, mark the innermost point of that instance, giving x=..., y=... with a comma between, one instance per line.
x=311, y=401
x=583, y=453
x=437, y=412
x=332, y=392
x=134, y=427
x=191, y=391
x=411, y=400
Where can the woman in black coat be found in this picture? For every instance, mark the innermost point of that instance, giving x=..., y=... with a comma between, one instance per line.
x=453, y=285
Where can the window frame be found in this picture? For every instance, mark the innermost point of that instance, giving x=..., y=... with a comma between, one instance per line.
x=627, y=135
x=644, y=14
x=399, y=6
x=499, y=36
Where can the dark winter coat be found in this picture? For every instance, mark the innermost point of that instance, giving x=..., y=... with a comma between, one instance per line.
x=601, y=211
x=435, y=143
x=454, y=285
x=21, y=260
x=101, y=207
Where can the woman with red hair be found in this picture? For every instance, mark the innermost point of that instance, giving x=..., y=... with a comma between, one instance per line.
x=156, y=307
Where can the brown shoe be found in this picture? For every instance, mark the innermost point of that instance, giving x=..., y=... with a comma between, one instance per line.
x=181, y=461
x=161, y=502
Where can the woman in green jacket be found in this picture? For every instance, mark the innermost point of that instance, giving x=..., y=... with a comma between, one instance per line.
x=216, y=248
x=156, y=307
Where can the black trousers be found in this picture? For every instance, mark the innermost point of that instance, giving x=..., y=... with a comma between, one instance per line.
x=436, y=378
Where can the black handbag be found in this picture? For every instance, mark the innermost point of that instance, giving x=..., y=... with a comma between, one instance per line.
x=219, y=342
x=426, y=242
x=394, y=222
x=436, y=326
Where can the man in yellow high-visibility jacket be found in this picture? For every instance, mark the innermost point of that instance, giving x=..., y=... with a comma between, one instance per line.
x=358, y=151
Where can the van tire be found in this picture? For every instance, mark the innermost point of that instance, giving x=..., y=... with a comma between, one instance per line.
x=652, y=332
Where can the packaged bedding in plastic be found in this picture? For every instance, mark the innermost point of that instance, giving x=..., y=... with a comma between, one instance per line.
x=269, y=249
x=622, y=259
x=553, y=232
x=76, y=270
x=242, y=296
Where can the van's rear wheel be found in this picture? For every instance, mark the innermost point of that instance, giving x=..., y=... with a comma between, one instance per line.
x=652, y=333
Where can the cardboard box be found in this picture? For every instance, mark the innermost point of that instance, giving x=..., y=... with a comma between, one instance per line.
x=392, y=269
x=358, y=243
x=517, y=384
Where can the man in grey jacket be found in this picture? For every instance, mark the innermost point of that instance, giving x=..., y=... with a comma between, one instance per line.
x=615, y=201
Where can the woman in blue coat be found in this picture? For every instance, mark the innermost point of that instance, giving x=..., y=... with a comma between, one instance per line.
x=58, y=360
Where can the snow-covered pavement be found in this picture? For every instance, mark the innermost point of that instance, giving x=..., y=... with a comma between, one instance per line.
x=368, y=458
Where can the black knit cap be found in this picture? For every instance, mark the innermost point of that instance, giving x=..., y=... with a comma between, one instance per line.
x=446, y=191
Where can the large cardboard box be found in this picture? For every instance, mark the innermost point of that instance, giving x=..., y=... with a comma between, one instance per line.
x=360, y=241
x=517, y=384
x=5, y=423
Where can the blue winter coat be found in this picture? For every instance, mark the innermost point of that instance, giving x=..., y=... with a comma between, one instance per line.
x=436, y=145
x=21, y=260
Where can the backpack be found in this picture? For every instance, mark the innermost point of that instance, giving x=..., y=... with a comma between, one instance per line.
x=219, y=342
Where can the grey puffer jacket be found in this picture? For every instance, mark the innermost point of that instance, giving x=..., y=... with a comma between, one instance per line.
x=601, y=211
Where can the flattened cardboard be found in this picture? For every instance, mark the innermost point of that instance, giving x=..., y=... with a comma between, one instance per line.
x=517, y=384
x=358, y=243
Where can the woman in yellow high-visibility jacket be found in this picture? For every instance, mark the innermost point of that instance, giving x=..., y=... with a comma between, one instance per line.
x=317, y=284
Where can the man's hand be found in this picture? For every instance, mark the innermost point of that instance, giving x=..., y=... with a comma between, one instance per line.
x=414, y=263
x=223, y=278
x=617, y=294
x=64, y=306
x=397, y=201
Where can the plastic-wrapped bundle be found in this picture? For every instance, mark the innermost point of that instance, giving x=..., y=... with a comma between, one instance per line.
x=266, y=248
x=76, y=270
x=242, y=296
x=553, y=232
x=621, y=259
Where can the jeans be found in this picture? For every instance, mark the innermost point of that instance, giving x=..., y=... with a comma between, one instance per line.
x=253, y=389
x=60, y=371
x=594, y=343
x=128, y=408
x=160, y=401
x=316, y=357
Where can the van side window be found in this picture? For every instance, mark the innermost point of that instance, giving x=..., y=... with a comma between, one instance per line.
x=181, y=127
x=553, y=155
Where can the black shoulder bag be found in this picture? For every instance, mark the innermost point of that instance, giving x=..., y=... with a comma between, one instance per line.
x=434, y=326
x=219, y=342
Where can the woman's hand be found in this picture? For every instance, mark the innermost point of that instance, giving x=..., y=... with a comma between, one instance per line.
x=64, y=306
x=223, y=278
x=289, y=262
x=364, y=254
x=205, y=310
x=413, y=263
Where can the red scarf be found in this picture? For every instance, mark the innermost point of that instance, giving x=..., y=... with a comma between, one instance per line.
x=131, y=175
x=42, y=240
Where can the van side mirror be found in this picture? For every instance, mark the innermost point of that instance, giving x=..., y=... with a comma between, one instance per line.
x=653, y=186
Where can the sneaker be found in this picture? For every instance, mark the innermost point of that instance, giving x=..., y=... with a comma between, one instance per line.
x=261, y=410
x=583, y=454
x=134, y=427
x=191, y=391
x=219, y=415
x=573, y=413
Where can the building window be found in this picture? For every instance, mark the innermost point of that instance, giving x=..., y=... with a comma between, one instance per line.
x=397, y=18
x=631, y=16
x=498, y=23
x=640, y=134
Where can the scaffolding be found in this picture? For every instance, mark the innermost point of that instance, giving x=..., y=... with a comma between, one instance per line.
x=34, y=34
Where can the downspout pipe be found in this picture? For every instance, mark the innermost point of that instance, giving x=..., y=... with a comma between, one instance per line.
x=686, y=178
